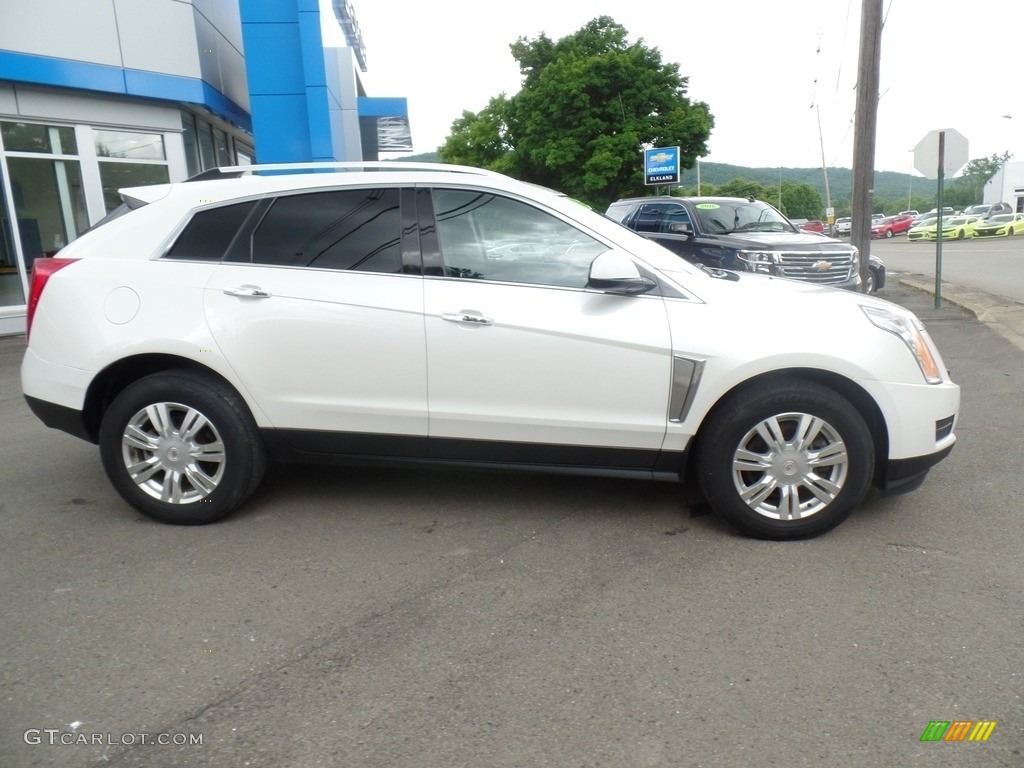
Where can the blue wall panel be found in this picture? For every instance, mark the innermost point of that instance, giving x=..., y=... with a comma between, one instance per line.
x=295, y=109
x=273, y=58
x=280, y=126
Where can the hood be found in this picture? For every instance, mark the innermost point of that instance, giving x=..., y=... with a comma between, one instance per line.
x=760, y=296
x=781, y=241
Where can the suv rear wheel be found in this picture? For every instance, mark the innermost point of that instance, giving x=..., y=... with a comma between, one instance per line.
x=786, y=460
x=181, y=448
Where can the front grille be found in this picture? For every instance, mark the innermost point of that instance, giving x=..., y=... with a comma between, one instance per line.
x=822, y=268
x=943, y=428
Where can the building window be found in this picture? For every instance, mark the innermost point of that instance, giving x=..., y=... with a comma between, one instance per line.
x=45, y=178
x=244, y=153
x=190, y=139
x=207, y=146
x=129, y=159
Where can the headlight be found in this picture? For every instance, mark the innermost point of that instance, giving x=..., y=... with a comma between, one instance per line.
x=759, y=261
x=909, y=329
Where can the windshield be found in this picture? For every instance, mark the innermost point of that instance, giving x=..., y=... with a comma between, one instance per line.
x=975, y=209
x=1001, y=218
x=725, y=216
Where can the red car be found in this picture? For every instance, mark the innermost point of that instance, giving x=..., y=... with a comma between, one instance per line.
x=813, y=226
x=891, y=225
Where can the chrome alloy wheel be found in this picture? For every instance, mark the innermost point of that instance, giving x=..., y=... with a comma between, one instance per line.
x=173, y=453
x=790, y=466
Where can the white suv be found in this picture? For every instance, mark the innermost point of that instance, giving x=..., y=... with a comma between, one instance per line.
x=411, y=314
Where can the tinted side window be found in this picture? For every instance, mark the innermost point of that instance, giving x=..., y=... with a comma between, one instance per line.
x=209, y=233
x=356, y=229
x=487, y=237
x=659, y=217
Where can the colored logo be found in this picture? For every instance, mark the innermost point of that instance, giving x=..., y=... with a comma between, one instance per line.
x=958, y=730
x=661, y=157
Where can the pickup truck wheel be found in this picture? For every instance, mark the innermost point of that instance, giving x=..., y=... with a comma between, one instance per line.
x=181, y=448
x=872, y=282
x=786, y=460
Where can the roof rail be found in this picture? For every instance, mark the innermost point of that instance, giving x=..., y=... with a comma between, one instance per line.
x=234, y=171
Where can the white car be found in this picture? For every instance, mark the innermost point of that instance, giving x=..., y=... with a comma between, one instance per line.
x=356, y=317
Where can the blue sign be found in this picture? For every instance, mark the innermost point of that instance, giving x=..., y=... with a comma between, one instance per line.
x=661, y=165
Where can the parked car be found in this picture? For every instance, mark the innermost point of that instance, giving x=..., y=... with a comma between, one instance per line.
x=355, y=318
x=934, y=212
x=844, y=225
x=987, y=210
x=957, y=228
x=911, y=214
x=876, y=274
x=739, y=234
x=924, y=229
x=891, y=225
x=1001, y=225
x=814, y=225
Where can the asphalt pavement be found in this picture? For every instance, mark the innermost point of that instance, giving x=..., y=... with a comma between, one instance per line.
x=413, y=619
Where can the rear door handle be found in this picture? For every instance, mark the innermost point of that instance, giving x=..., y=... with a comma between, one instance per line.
x=462, y=317
x=248, y=292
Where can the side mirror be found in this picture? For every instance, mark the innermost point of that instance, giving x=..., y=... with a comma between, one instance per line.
x=680, y=228
x=615, y=272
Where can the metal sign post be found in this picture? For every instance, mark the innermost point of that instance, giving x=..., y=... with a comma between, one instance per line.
x=938, y=226
x=951, y=147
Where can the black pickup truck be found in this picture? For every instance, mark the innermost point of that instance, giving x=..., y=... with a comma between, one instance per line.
x=742, y=235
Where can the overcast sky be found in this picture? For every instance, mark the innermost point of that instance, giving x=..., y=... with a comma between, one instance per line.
x=760, y=65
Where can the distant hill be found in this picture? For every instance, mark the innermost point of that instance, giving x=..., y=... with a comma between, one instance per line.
x=423, y=157
x=888, y=184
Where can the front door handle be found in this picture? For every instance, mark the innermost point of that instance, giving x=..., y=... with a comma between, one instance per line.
x=463, y=317
x=248, y=292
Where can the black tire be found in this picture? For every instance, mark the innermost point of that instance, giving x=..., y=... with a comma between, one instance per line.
x=159, y=425
x=960, y=234
x=731, y=432
x=888, y=233
x=872, y=282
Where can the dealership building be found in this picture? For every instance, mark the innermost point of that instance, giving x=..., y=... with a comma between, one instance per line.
x=1007, y=186
x=97, y=95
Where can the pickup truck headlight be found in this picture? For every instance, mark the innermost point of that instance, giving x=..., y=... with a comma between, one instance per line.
x=759, y=261
x=910, y=331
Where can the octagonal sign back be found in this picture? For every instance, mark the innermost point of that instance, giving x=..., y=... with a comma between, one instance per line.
x=926, y=154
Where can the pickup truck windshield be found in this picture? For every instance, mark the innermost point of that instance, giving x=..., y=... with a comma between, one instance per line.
x=722, y=218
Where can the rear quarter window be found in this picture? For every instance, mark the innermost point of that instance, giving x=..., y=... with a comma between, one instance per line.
x=209, y=233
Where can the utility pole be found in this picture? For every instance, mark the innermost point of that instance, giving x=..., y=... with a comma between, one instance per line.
x=864, y=127
x=824, y=168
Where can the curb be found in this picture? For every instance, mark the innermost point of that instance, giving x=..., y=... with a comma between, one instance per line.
x=1003, y=315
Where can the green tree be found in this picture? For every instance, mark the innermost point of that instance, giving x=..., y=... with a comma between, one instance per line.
x=482, y=139
x=742, y=188
x=801, y=201
x=969, y=187
x=588, y=106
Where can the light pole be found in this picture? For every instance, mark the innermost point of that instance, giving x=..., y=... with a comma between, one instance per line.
x=910, y=186
x=1002, y=173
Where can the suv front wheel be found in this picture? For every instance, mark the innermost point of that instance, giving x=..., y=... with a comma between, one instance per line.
x=785, y=460
x=181, y=448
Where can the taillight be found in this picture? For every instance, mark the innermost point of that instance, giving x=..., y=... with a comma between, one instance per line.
x=41, y=270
